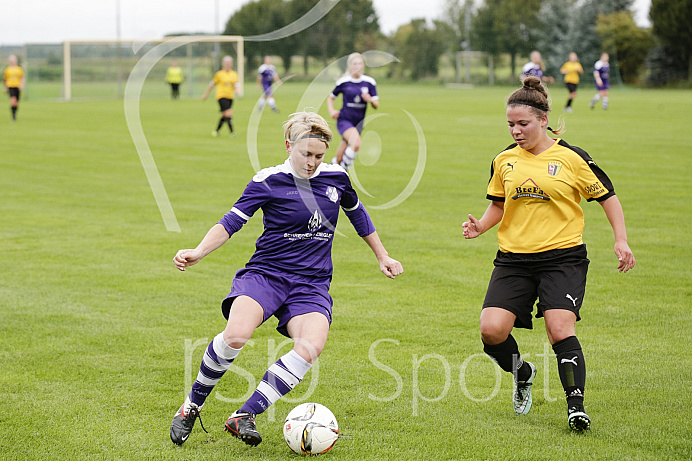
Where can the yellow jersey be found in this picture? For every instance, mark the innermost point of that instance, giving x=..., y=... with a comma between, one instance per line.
x=13, y=76
x=541, y=195
x=225, y=83
x=572, y=71
x=174, y=75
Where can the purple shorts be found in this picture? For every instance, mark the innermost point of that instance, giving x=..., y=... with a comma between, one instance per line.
x=283, y=296
x=342, y=125
x=267, y=88
x=605, y=86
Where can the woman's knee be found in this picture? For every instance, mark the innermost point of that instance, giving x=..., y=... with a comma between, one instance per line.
x=309, y=350
x=496, y=325
x=236, y=339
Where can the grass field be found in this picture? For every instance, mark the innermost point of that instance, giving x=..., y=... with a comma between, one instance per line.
x=101, y=334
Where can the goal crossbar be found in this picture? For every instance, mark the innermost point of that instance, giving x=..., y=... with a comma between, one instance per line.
x=183, y=39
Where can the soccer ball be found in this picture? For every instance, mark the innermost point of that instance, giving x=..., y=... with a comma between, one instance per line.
x=310, y=429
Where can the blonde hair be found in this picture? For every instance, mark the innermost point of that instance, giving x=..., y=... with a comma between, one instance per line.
x=307, y=124
x=350, y=59
x=535, y=95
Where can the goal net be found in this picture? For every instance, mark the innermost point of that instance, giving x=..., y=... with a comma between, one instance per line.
x=94, y=69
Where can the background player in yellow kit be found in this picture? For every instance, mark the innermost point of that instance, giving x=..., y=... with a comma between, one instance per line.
x=572, y=69
x=174, y=77
x=14, y=80
x=225, y=81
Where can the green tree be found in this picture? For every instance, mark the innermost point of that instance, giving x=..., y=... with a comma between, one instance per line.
x=508, y=26
x=556, y=31
x=584, y=36
x=256, y=18
x=419, y=48
x=457, y=15
x=628, y=42
x=349, y=24
x=672, y=25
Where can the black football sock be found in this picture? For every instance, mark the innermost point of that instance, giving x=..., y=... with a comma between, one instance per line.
x=569, y=103
x=218, y=127
x=570, y=364
x=230, y=124
x=14, y=113
x=506, y=355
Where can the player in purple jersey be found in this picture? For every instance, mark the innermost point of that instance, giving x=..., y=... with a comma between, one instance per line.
x=358, y=90
x=287, y=277
x=535, y=68
x=601, y=74
x=266, y=76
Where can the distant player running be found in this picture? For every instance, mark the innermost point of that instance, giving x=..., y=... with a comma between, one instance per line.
x=572, y=69
x=14, y=80
x=226, y=82
x=266, y=76
x=601, y=74
x=358, y=90
x=288, y=276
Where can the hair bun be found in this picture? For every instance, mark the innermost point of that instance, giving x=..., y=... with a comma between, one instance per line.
x=532, y=83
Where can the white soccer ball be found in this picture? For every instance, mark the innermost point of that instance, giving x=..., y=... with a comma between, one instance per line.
x=311, y=429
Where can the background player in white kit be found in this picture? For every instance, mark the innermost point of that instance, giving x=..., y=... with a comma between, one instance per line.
x=266, y=76
x=358, y=90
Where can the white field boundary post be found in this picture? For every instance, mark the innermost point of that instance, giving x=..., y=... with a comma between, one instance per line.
x=241, y=65
x=67, y=71
x=67, y=54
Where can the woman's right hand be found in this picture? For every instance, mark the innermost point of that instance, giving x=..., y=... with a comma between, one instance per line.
x=186, y=258
x=334, y=114
x=472, y=228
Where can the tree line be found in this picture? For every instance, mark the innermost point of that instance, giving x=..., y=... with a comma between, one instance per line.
x=495, y=27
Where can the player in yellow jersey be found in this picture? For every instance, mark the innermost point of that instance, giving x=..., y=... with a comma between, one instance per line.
x=535, y=188
x=14, y=80
x=572, y=69
x=225, y=81
x=174, y=77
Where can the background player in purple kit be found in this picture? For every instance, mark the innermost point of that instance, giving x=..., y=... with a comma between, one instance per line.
x=601, y=73
x=287, y=277
x=266, y=76
x=535, y=68
x=358, y=90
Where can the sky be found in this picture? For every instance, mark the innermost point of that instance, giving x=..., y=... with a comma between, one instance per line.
x=55, y=21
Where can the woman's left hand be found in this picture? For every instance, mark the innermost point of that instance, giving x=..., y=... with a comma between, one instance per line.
x=625, y=256
x=391, y=267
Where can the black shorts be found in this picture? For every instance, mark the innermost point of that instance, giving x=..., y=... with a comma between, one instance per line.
x=557, y=278
x=14, y=92
x=225, y=104
x=571, y=87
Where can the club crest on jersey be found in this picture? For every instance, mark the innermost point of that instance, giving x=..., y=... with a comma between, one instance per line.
x=332, y=194
x=529, y=189
x=554, y=168
x=315, y=222
x=364, y=90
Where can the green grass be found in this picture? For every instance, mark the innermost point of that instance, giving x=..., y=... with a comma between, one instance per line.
x=97, y=325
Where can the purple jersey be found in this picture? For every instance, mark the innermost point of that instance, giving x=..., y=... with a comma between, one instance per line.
x=267, y=72
x=300, y=218
x=353, y=108
x=531, y=69
x=603, y=69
